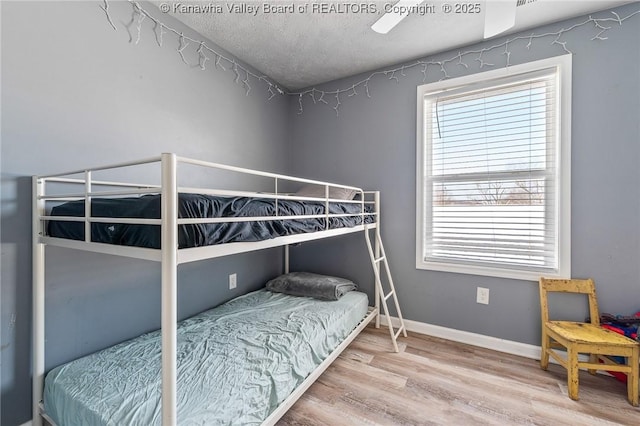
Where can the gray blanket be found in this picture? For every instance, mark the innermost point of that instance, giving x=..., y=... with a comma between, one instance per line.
x=307, y=284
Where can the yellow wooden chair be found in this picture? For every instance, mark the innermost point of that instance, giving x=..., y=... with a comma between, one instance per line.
x=585, y=338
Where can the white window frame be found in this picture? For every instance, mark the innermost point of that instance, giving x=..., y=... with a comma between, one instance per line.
x=563, y=167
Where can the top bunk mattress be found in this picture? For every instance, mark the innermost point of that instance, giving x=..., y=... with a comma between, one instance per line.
x=201, y=206
x=235, y=364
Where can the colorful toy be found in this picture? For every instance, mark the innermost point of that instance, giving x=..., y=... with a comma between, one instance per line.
x=625, y=325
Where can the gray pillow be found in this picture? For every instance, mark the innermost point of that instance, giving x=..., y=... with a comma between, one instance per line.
x=318, y=191
x=307, y=284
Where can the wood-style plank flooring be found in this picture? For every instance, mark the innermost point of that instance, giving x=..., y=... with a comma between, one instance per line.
x=438, y=382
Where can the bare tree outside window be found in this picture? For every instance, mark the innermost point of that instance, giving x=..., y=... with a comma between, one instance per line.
x=521, y=192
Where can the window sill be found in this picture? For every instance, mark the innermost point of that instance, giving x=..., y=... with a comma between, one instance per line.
x=530, y=275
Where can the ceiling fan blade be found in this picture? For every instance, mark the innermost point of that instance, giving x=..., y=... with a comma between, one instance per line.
x=499, y=16
x=390, y=19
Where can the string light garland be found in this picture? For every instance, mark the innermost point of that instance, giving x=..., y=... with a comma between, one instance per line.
x=202, y=58
x=507, y=53
x=139, y=14
x=105, y=8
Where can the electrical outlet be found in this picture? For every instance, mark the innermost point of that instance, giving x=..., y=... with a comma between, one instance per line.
x=482, y=296
x=233, y=281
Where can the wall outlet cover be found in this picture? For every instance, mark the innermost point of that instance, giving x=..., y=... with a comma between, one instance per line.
x=482, y=296
x=233, y=281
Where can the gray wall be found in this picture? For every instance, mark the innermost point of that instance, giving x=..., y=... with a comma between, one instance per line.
x=75, y=93
x=372, y=143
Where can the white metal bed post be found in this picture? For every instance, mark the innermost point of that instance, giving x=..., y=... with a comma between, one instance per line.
x=376, y=199
x=38, y=300
x=87, y=206
x=169, y=248
x=277, y=213
x=286, y=259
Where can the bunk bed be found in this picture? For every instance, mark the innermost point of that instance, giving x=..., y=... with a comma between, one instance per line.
x=173, y=224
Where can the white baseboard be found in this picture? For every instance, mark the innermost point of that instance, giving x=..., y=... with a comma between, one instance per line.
x=474, y=339
x=488, y=342
x=27, y=423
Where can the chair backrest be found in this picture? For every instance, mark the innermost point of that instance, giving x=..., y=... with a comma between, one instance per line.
x=587, y=287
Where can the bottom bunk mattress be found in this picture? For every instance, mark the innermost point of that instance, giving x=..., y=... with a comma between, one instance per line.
x=236, y=363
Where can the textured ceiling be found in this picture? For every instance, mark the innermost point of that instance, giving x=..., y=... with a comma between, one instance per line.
x=333, y=39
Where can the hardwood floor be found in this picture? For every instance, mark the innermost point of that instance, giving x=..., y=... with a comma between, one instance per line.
x=437, y=382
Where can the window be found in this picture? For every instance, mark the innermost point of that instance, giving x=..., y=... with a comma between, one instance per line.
x=493, y=172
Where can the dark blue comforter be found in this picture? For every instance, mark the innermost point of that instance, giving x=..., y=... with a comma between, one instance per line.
x=200, y=206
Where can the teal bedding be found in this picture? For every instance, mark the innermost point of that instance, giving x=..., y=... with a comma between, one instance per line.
x=236, y=364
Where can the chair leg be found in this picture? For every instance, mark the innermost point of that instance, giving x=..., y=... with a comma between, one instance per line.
x=544, y=352
x=593, y=359
x=572, y=373
x=632, y=378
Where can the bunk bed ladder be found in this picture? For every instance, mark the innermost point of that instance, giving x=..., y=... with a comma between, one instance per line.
x=378, y=258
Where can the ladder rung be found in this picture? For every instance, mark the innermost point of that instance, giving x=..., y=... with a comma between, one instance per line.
x=388, y=295
x=381, y=258
x=398, y=332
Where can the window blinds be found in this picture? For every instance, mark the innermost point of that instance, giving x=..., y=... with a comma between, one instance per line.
x=491, y=175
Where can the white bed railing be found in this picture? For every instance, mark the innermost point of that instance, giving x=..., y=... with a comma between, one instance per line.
x=136, y=189
x=86, y=188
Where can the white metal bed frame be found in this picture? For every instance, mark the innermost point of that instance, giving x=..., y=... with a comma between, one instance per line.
x=169, y=256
